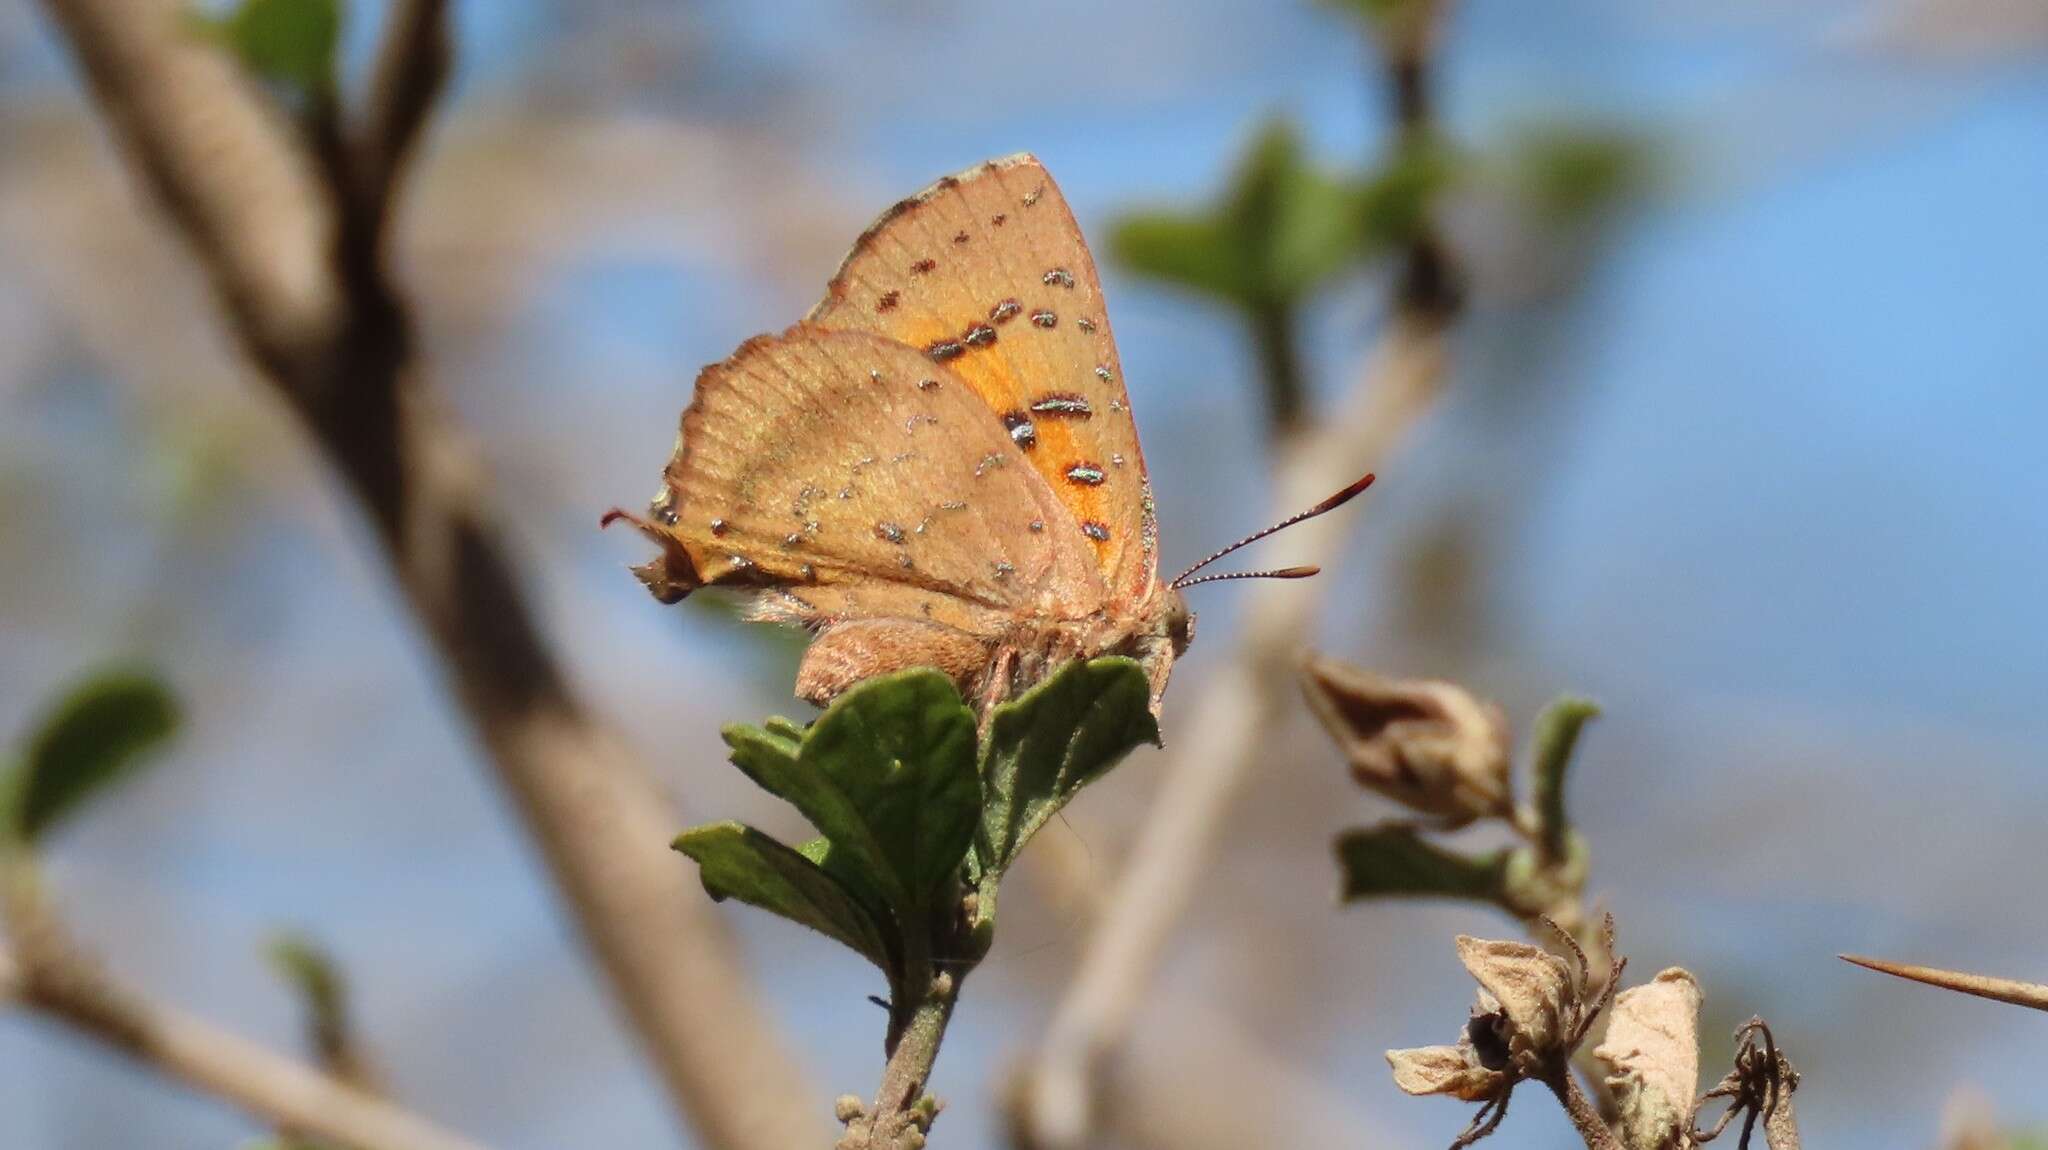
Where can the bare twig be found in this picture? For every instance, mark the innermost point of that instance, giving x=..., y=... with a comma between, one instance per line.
x=1236, y=709
x=2028, y=994
x=1182, y=1091
x=267, y=1085
x=305, y=286
x=1185, y=1086
x=48, y=973
x=10, y=979
x=902, y=1114
x=412, y=65
x=1252, y=691
x=1584, y=1115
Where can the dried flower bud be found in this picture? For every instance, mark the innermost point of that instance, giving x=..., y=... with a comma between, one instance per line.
x=1652, y=1053
x=1428, y=745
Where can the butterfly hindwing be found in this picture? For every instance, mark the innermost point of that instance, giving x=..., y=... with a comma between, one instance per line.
x=986, y=272
x=846, y=476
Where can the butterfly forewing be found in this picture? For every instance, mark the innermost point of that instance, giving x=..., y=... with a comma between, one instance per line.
x=849, y=477
x=987, y=273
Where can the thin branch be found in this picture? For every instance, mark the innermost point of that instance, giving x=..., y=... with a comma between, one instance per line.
x=1592, y=1128
x=413, y=63
x=2029, y=994
x=1232, y=717
x=1781, y=1124
x=335, y=337
x=221, y=161
x=1249, y=695
x=275, y=1089
x=1181, y=1090
x=900, y=1117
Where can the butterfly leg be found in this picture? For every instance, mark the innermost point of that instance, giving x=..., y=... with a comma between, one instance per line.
x=845, y=653
x=1157, y=659
x=995, y=683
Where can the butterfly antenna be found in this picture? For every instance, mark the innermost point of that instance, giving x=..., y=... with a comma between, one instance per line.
x=1277, y=573
x=1330, y=504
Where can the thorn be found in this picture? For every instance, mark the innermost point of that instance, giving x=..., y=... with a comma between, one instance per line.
x=2028, y=994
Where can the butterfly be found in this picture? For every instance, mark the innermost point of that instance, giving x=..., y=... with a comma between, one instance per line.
x=938, y=467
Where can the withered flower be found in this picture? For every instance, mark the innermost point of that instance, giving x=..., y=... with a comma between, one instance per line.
x=1652, y=1052
x=1429, y=745
x=1532, y=1013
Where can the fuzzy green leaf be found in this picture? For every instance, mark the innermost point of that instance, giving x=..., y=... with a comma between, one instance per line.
x=1382, y=13
x=850, y=851
x=737, y=861
x=1557, y=733
x=1191, y=251
x=1393, y=204
x=1568, y=174
x=1394, y=861
x=289, y=42
x=1281, y=228
x=902, y=749
x=1045, y=746
x=785, y=729
x=313, y=975
x=91, y=740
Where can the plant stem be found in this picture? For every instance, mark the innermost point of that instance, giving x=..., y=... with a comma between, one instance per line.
x=918, y=1027
x=1781, y=1125
x=1279, y=367
x=1592, y=1128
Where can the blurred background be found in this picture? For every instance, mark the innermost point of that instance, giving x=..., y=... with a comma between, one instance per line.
x=1743, y=436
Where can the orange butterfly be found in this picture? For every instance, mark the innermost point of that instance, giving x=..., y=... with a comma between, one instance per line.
x=938, y=467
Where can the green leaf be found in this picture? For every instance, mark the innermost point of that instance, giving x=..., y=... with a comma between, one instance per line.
x=737, y=861
x=1281, y=228
x=1059, y=737
x=1190, y=251
x=1557, y=733
x=785, y=729
x=92, y=739
x=1568, y=174
x=313, y=975
x=289, y=42
x=1394, y=203
x=849, y=851
x=1393, y=861
x=902, y=749
x=1383, y=13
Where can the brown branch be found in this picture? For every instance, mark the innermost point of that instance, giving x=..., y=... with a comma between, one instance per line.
x=412, y=66
x=49, y=974
x=2028, y=994
x=315, y=308
x=1236, y=710
x=220, y=161
x=1252, y=692
x=1592, y=1128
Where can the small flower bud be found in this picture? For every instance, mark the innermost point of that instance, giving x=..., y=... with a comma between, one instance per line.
x=848, y=1107
x=1430, y=746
